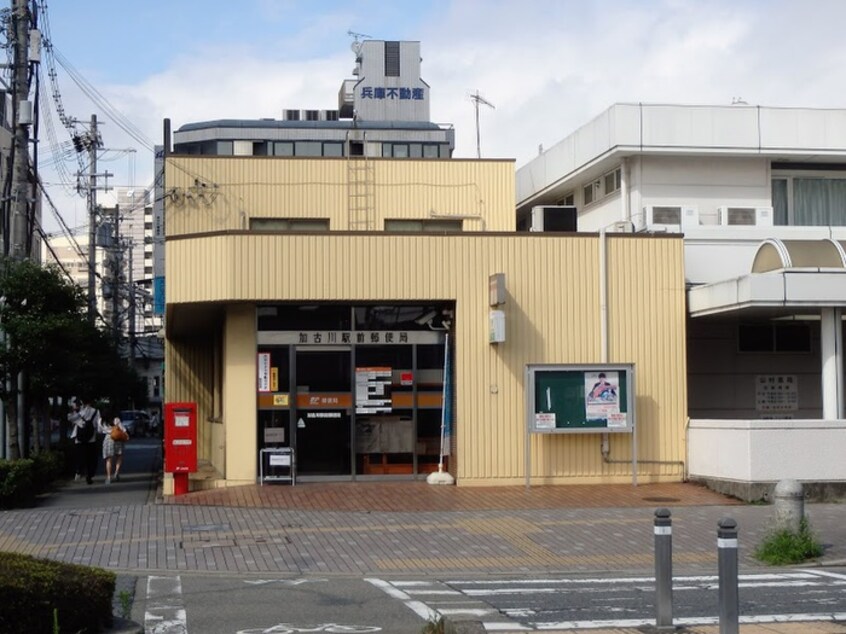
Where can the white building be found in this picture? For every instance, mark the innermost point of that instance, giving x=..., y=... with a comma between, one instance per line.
x=70, y=253
x=760, y=195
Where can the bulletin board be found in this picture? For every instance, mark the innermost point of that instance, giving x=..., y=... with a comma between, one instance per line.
x=580, y=399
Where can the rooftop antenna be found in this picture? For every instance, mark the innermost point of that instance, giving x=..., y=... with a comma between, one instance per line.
x=357, y=40
x=477, y=99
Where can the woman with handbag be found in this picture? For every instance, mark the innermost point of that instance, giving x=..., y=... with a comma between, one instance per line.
x=116, y=435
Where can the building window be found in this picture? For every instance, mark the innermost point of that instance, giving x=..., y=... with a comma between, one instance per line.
x=568, y=200
x=612, y=181
x=591, y=192
x=289, y=224
x=780, y=199
x=428, y=226
x=430, y=151
x=333, y=148
x=308, y=148
x=392, y=59
x=784, y=337
x=242, y=148
x=283, y=148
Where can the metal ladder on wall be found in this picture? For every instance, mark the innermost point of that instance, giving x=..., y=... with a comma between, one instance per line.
x=361, y=195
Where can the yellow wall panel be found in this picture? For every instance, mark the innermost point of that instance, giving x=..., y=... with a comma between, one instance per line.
x=216, y=193
x=552, y=314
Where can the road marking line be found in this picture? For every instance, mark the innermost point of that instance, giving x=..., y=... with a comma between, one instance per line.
x=623, y=623
x=468, y=611
x=603, y=581
x=826, y=573
x=388, y=589
x=452, y=592
x=165, y=612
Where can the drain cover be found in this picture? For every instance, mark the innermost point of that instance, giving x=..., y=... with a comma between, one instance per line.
x=661, y=500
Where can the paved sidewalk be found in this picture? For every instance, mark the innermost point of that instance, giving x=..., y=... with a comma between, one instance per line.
x=402, y=529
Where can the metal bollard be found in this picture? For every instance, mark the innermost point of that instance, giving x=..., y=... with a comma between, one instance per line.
x=663, y=569
x=727, y=563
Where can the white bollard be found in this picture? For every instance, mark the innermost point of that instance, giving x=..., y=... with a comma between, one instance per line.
x=789, y=499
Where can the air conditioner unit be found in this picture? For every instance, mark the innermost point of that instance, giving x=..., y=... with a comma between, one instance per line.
x=746, y=216
x=554, y=218
x=671, y=217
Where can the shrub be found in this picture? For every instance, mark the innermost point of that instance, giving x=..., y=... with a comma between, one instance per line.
x=17, y=483
x=33, y=590
x=48, y=467
x=781, y=547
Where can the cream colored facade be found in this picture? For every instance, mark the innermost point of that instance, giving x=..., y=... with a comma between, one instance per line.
x=218, y=273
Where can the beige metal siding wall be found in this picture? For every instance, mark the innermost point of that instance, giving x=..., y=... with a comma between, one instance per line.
x=656, y=337
x=552, y=312
x=189, y=377
x=240, y=188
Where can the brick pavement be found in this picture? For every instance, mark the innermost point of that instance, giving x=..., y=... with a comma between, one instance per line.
x=421, y=497
x=400, y=529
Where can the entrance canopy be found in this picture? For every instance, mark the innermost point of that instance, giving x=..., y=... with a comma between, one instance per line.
x=787, y=276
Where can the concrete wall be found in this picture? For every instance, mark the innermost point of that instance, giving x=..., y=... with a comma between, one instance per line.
x=753, y=451
x=704, y=182
x=678, y=130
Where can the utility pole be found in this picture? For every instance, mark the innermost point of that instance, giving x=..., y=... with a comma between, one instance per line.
x=476, y=98
x=22, y=108
x=13, y=430
x=131, y=329
x=92, y=218
x=116, y=266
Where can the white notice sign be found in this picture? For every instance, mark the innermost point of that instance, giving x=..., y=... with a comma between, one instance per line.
x=280, y=460
x=544, y=420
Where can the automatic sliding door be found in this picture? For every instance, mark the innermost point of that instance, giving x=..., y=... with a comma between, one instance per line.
x=324, y=412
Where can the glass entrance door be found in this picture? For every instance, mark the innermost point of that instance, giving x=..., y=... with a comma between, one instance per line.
x=323, y=416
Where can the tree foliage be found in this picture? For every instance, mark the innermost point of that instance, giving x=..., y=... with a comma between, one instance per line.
x=47, y=336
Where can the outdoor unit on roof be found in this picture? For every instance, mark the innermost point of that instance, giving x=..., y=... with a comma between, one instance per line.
x=746, y=216
x=671, y=217
x=554, y=218
x=291, y=115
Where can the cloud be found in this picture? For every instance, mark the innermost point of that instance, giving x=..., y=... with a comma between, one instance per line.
x=548, y=66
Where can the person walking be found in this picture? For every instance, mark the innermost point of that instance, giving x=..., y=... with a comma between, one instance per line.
x=113, y=441
x=78, y=456
x=87, y=424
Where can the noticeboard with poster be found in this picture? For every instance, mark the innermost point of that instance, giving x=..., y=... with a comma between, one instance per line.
x=580, y=398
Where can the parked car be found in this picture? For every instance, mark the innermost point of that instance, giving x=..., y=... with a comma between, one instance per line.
x=136, y=422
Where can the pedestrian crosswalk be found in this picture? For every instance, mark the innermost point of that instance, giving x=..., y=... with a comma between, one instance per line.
x=568, y=603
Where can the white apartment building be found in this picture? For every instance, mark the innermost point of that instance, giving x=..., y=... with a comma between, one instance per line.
x=760, y=196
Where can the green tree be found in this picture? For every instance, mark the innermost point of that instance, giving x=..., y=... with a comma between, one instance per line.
x=49, y=339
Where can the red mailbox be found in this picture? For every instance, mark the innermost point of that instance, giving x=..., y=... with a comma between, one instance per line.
x=180, y=448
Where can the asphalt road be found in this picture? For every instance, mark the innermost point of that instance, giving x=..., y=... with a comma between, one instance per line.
x=139, y=477
x=179, y=604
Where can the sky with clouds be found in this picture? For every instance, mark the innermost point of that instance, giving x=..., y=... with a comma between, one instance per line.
x=548, y=66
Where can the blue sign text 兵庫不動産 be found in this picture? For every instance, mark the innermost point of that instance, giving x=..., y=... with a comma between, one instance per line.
x=380, y=92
